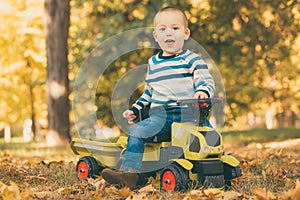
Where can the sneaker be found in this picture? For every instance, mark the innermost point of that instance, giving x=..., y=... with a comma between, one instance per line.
x=122, y=179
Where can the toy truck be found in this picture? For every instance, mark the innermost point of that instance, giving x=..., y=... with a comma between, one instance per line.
x=192, y=152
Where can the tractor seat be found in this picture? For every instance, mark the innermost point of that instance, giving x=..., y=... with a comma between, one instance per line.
x=159, y=138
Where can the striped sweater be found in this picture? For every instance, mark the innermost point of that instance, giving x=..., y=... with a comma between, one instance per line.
x=175, y=77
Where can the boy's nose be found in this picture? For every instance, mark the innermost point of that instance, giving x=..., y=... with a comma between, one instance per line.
x=169, y=31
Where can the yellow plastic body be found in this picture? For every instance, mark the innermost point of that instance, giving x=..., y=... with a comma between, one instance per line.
x=151, y=150
x=181, y=137
x=184, y=163
x=230, y=160
x=105, y=152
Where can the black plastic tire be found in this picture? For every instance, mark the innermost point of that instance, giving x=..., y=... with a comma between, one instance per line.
x=217, y=181
x=87, y=167
x=174, y=178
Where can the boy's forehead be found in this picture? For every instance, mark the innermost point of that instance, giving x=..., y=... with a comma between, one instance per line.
x=164, y=16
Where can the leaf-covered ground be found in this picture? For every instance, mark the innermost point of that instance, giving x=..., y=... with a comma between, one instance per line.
x=271, y=170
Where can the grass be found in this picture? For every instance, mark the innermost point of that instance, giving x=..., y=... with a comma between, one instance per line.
x=261, y=135
x=16, y=147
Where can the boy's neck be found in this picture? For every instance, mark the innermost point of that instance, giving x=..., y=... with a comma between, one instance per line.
x=162, y=56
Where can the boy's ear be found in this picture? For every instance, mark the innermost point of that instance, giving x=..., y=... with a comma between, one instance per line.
x=187, y=33
x=154, y=35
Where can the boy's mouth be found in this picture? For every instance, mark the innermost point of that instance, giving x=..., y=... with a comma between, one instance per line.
x=169, y=41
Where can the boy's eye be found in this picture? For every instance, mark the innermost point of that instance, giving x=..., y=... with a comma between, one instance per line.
x=163, y=29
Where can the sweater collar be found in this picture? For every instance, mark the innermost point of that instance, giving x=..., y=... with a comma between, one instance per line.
x=172, y=56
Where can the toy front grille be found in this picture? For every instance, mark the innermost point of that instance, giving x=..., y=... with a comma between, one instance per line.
x=212, y=138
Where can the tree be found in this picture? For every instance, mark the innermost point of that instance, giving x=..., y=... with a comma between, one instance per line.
x=253, y=40
x=255, y=45
x=57, y=20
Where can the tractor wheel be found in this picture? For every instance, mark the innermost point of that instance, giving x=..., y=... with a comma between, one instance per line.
x=87, y=167
x=174, y=178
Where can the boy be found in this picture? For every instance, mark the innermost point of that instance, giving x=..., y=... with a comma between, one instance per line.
x=174, y=73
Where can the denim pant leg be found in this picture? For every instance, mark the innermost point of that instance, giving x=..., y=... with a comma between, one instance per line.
x=132, y=158
x=157, y=123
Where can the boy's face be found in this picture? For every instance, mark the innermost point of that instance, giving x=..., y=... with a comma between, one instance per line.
x=170, y=32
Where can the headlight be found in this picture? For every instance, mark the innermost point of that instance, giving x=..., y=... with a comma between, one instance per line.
x=208, y=149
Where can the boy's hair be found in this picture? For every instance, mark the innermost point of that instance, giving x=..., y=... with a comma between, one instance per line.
x=171, y=8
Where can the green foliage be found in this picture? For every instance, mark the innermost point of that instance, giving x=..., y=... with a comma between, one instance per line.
x=252, y=40
x=255, y=45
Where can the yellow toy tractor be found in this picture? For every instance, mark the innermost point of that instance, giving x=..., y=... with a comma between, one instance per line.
x=192, y=152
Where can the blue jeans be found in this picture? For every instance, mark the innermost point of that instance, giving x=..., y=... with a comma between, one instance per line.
x=159, y=122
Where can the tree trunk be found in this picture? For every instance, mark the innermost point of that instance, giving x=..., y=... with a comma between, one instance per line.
x=57, y=22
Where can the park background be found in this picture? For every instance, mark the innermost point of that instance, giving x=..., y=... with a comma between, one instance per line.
x=255, y=45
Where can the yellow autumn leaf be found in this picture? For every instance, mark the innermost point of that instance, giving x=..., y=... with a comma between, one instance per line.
x=125, y=192
x=98, y=183
x=229, y=195
x=154, y=181
x=2, y=186
x=11, y=192
x=195, y=194
x=288, y=182
x=295, y=193
x=28, y=195
x=64, y=191
x=212, y=191
x=139, y=196
x=46, y=195
x=193, y=197
x=262, y=194
x=148, y=189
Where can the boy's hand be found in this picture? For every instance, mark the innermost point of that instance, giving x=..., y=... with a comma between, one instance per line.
x=200, y=95
x=129, y=115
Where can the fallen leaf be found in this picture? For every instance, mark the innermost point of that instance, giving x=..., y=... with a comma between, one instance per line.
x=64, y=191
x=138, y=196
x=99, y=184
x=229, y=195
x=295, y=193
x=46, y=195
x=148, y=189
x=10, y=191
x=212, y=191
x=27, y=195
x=154, y=181
x=262, y=194
x=125, y=192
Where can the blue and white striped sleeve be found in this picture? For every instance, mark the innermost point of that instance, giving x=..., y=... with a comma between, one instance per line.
x=143, y=101
x=203, y=80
